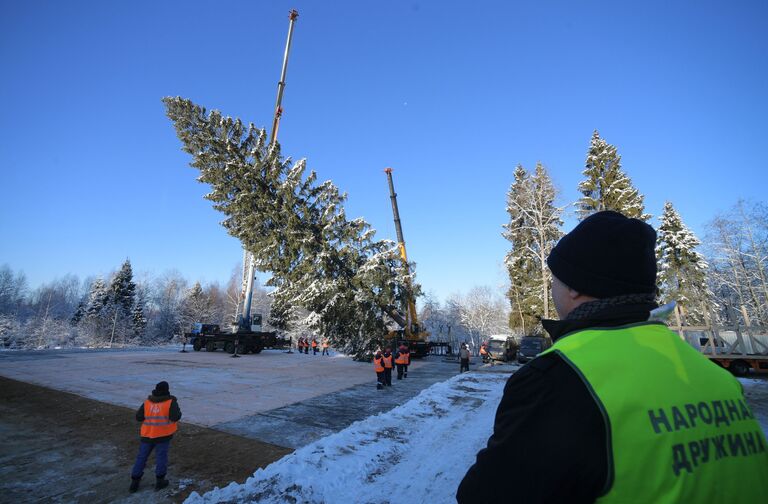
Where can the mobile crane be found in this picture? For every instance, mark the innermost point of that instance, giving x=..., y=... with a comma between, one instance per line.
x=246, y=334
x=411, y=331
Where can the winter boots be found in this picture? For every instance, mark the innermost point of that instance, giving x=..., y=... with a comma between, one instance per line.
x=134, y=485
x=161, y=483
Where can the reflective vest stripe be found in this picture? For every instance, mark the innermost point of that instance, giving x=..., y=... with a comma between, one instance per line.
x=387, y=361
x=402, y=358
x=679, y=428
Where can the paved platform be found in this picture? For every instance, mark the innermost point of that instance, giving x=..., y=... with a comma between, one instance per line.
x=212, y=388
x=303, y=422
x=286, y=399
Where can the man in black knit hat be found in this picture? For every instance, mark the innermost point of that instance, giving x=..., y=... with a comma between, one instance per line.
x=158, y=415
x=620, y=408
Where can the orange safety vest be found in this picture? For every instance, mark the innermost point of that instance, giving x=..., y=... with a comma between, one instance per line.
x=314, y=343
x=157, y=420
x=326, y=344
x=402, y=358
x=483, y=351
x=387, y=362
x=377, y=365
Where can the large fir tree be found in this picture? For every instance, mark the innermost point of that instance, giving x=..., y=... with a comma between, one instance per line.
x=295, y=227
x=606, y=186
x=682, y=270
x=123, y=289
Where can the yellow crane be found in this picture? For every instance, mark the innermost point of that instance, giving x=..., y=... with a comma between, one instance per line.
x=412, y=331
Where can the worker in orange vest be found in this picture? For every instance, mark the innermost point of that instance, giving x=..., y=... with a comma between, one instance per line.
x=314, y=346
x=158, y=416
x=389, y=363
x=378, y=366
x=484, y=353
x=325, y=347
x=402, y=359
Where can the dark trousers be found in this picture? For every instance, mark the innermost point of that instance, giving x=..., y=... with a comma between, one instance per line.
x=464, y=365
x=380, y=379
x=388, y=376
x=161, y=459
x=325, y=351
x=306, y=350
x=402, y=371
x=314, y=350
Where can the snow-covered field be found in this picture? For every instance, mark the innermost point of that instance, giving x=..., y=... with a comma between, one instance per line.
x=756, y=392
x=422, y=449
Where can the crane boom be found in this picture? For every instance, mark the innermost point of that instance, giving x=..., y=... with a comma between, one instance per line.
x=244, y=321
x=412, y=325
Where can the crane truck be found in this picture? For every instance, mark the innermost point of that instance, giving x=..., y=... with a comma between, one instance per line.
x=411, y=332
x=246, y=334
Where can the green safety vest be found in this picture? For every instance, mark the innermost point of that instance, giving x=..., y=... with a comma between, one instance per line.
x=678, y=426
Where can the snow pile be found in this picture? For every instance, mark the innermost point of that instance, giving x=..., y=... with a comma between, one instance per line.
x=422, y=449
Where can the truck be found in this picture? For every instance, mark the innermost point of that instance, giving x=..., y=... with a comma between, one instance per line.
x=738, y=346
x=237, y=342
x=246, y=334
x=502, y=347
x=411, y=332
x=531, y=346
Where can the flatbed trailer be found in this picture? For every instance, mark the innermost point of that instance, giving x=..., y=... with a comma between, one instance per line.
x=739, y=347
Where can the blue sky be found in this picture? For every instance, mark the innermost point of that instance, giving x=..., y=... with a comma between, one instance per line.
x=452, y=95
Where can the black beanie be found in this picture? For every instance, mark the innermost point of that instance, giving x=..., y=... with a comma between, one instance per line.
x=161, y=389
x=607, y=255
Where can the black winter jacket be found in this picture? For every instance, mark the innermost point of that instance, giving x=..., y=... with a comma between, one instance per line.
x=549, y=440
x=174, y=414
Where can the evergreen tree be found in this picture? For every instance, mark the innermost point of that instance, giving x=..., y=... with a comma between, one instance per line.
x=123, y=290
x=295, y=228
x=280, y=312
x=606, y=186
x=533, y=229
x=197, y=306
x=682, y=270
x=97, y=299
x=522, y=271
x=138, y=313
x=79, y=312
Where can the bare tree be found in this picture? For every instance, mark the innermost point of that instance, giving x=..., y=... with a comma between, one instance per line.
x=482, y=312
x=738, y=252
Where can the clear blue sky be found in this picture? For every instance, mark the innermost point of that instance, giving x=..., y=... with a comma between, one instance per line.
x=451, y=94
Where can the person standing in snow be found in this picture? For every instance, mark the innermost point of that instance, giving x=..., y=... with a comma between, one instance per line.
x=388, y=365
x=619, y=408
x=402, y=359
x=314, y=345
x=378, y=367
x=325, y=347
x=158, y=416
x=464, y=358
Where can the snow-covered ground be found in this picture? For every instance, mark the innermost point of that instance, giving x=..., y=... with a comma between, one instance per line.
x=756, y=392
x=422, y=449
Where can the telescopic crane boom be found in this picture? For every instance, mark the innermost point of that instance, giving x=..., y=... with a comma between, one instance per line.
x=248, y=261
x=412, y=328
